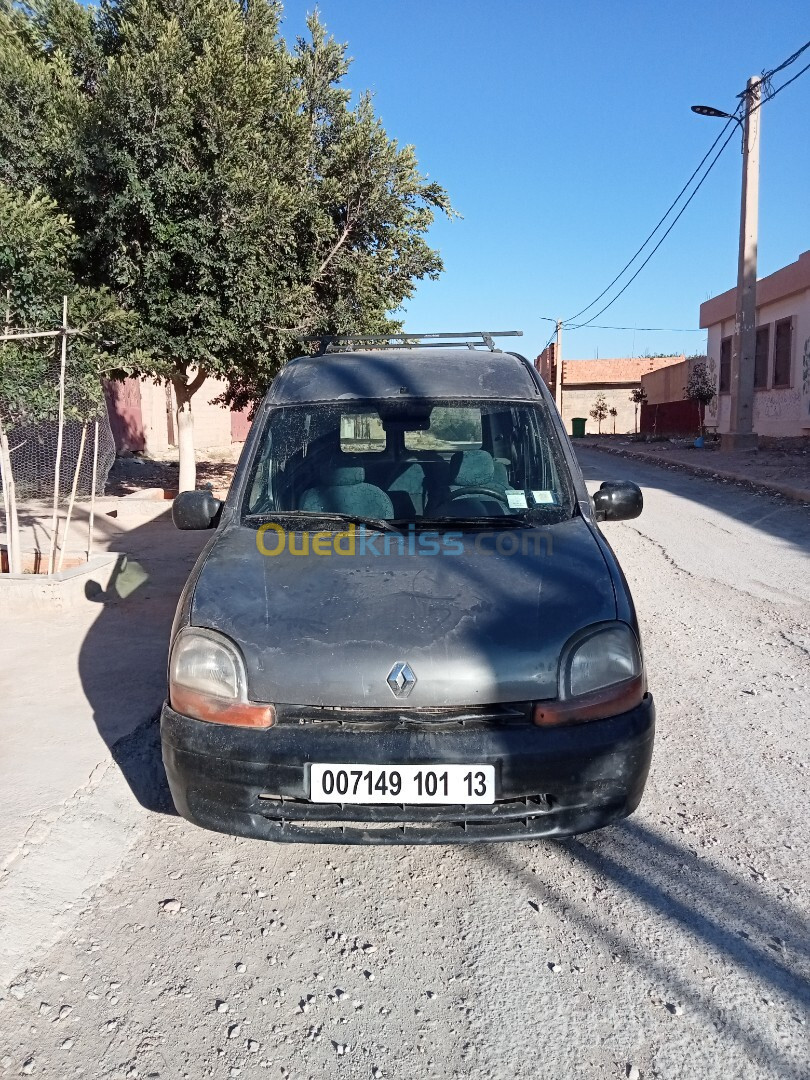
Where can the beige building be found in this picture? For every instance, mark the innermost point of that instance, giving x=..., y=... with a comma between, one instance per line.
x=584, y=380
x=782, y=367
x=142, y=416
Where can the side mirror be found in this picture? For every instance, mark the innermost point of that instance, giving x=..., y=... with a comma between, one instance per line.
x=195, y=510
x=618, y=500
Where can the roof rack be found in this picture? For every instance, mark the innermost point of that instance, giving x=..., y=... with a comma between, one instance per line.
x=472, y=340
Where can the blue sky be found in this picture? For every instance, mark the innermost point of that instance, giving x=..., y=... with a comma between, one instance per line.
x=562, y=131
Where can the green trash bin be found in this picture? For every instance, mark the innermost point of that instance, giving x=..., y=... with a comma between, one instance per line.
x=578, y=427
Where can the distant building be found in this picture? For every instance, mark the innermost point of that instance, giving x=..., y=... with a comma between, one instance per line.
x=667, y=410
x=584, y=380
x=142, y=416
x=782, y=366
x=546, y=364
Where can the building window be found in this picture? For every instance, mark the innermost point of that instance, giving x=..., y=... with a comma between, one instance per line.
x=725, y=365
x=782, y=350
x=761, y=357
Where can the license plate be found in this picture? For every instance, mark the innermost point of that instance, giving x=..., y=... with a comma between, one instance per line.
x=402, y=783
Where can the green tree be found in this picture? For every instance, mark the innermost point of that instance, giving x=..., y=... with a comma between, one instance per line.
x=638, y=396
x=614, y=412
x=228, y=195
x=599, y=410
x=700, y=388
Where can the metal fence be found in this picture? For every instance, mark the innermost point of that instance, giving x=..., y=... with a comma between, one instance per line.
x=56, y=443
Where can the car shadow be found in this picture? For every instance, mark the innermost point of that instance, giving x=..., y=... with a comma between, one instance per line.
x=123, y=658
x=756, y=928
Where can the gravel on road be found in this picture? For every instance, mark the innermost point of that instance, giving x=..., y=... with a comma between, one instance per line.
x=674, y=945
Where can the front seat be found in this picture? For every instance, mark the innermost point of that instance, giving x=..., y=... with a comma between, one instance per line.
x=344, y=491
x=469, y=469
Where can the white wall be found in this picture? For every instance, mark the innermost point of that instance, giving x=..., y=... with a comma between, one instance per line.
x=781, y=412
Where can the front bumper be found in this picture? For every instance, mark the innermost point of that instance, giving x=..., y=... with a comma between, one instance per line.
x=550, y=781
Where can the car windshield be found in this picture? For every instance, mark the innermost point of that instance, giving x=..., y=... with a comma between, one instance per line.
x=411, y=461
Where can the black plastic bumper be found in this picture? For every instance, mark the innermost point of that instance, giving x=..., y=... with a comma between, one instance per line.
x=550, y=781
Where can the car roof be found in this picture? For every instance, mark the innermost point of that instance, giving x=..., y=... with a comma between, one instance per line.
x=405, y=373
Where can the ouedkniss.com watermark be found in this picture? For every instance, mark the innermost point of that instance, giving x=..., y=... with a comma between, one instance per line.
x=272, y=540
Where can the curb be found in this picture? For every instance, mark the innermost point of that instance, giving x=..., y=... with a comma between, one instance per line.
x=773, y=487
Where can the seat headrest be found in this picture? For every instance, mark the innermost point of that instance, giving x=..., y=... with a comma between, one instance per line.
x=472, y=467
x=345, y=476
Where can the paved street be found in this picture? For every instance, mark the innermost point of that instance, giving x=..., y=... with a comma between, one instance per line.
x=674, y=945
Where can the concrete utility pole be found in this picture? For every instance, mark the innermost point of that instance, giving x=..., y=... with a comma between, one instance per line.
x=741, y=435
x=558, y=368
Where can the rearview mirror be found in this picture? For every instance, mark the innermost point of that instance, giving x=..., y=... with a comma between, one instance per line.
x=195, y=510
x=618, y=500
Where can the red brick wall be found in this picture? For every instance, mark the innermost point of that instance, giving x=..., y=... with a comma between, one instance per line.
x=669, y=418
x=126, y=416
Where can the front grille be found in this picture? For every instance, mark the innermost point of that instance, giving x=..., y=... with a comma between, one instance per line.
x=508, y=819
x=478, y=717
x=292, y=809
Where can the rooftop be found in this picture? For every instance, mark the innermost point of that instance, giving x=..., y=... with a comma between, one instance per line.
x=402, y=372
x=793, y=278
x=614, y=371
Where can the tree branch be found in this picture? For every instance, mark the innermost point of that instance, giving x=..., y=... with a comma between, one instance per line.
x=341, y=240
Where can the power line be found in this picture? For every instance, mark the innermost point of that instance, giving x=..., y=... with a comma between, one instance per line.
x=768, y=95
x=554, y=334
x=662, y=329
x=768, y=75
x=675, y=221
x=661, y=221
x=772, y=94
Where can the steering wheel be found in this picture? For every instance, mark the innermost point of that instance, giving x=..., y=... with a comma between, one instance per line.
x=466, y=492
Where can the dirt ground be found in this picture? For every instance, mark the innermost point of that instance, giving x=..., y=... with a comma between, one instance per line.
x=137, y=472
x=673, y=946
x=784, y=461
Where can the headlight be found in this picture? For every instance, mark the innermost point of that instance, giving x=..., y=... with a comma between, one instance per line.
x=207, y=681
x=601, y=675
x=608, y=656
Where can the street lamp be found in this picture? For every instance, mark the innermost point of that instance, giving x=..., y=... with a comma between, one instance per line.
x=741, y=435
x=709, y=110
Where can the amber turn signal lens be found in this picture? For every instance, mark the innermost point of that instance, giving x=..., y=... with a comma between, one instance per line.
x=599, y=705
x=213, y=710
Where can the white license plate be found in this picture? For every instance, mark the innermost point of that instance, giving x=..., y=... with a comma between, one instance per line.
x=402, y=783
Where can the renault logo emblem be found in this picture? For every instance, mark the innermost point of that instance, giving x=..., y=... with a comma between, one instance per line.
x=401, y=679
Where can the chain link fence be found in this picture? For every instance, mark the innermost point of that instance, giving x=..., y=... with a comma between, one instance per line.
x=56, y=444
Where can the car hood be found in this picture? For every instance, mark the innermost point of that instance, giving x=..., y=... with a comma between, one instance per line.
x=476, y=627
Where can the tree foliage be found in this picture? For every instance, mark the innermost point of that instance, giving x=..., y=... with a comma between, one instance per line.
x=44, y=54
x=222, y=186
x=599, y=410
x=700, y=388
x=233, y=199
x=37, y=243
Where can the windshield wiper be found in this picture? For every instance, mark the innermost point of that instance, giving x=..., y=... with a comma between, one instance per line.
x=326, y=515
x=506, y=521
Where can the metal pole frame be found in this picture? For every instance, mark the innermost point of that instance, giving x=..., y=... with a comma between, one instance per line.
x=58, y=465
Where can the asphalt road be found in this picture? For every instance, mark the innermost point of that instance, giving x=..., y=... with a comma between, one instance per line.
x=672, y=946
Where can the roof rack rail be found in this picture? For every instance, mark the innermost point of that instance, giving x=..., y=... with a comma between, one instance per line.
x=472, y=340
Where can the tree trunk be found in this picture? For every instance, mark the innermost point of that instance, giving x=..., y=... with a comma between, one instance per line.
x=183, y=393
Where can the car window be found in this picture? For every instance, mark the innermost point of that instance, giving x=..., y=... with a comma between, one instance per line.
x=361, y=431
x=451, y=428
x=412, y=461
